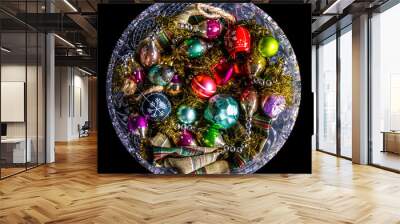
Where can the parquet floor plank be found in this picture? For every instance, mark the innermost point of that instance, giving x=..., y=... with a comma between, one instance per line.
x=71, y=191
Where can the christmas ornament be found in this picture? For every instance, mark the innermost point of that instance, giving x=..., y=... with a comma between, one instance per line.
x=212, y=137
x=194, y=47
x=186, y=115
x=175, y=86
x=149, y=54
x=268, y=46
x=137, y=75
x=237, y=40
x=160, y=140
x=255, y=64
x=138, y=125
x=129, y=87
x=187, y=139
x=156, y=106
x=273, y=105
x=261, y=121
x=160, y=74
x=209, y=29
x=203, y=86
x=222, y=110
x=163, y=38
x=249, y=102
x=222, y=72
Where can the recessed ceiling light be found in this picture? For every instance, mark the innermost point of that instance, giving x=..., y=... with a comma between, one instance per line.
x=70, y=5
x=64, y=40
x=5, y=50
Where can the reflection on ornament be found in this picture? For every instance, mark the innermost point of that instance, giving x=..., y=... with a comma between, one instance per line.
x=160, y=74
x=203, y=86
x=212, y=137
x=187, y=139
x=209, y=28
x=175, y=86
x=222, y=72
x=249, y=102
x=186, y=114
x=138, y=125
x=163, y=38
x=222, y=110
x=129, y=87
x=149, y=54
x=156, y=106
x=195, y=47
x=255, y=64
x=273, y=105
x=268, y=46
x=237, y=40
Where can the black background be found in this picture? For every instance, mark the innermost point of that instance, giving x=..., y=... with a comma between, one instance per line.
x=295, y=155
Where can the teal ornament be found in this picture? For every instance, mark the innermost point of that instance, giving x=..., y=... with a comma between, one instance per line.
x=160, y=74
x=195, y=47
x=222, y=110
x=186, y=114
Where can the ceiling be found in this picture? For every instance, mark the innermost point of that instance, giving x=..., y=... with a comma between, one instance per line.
x=74, y=21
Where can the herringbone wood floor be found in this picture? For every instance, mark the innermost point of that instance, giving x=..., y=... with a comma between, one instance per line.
x=70, y=191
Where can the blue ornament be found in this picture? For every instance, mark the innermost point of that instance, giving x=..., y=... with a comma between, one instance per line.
x=222, y=110
x=156, y=106
x=160, y=74
x=186, y=114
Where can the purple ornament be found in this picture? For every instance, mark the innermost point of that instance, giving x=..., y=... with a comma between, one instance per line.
x=273, y=105
x=210, y=28
x=137, y=75
x=187, y=139
x=138, y=125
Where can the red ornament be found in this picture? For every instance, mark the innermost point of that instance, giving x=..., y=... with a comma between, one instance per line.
x=237, y=40
x=222, y=71
x=203, y=86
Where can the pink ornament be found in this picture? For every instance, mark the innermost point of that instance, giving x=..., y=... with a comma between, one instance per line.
x=210, y=28
x=187, y=139
x=222, y=72
x=203, y=86
x=138, y=125
x=137, y=75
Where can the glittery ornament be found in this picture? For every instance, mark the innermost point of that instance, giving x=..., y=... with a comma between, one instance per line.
x=209, y=28
x=156, y=106
x=237, y=40
x=273, y=105
x=175, y=86
x=187, y=139
x=222, y=72
x=255, y=64
x=129, y=87
x=138, y=125
x=186, y=114
x=195, y=47
x=249, y=102
x=212, y=138
x=222, y=110
x=160, y=74
x=203, y=86
x=149, y=53
x=268, y=46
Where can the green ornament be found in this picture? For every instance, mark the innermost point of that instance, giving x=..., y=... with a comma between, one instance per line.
x=212, y=137
x=160, y=74
x=268, y=46
x=222, y=110
x=195, y=47
x=186, y=114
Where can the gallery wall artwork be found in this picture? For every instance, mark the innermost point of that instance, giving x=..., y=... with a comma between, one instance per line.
x=201, y=88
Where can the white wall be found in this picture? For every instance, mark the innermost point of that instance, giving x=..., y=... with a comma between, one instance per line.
x=71, y=102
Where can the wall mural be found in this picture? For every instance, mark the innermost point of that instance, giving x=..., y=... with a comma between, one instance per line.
x=203, y=88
